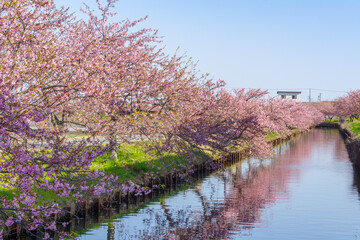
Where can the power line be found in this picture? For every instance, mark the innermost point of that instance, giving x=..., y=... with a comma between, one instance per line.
x=285, y=89
x=294, y=89
x=328, y=90
x=317, y=89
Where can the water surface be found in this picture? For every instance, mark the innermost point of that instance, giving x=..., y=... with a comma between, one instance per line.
x=309, y=190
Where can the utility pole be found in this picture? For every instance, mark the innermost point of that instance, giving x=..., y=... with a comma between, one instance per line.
x=319, y=97
x=309, y=94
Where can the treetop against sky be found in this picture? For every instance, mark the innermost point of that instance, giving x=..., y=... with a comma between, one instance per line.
x=273, y=45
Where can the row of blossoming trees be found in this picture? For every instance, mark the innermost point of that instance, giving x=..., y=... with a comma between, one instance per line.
x=113, y=82
x=347, y=106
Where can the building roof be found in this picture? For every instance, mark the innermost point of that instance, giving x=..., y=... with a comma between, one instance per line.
x=288, y=92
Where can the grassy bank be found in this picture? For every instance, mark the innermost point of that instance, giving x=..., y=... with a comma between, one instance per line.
x=134, y=163
x=137, y=164
x=354, y=127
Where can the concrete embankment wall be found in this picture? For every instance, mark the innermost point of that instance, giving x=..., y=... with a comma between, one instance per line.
x=352, y=143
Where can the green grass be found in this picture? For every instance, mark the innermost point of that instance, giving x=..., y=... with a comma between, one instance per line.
x=334, y=120
x=7, y=193
x=43, y=196
x=271, y=136
x=134, y=163
x=354, y=127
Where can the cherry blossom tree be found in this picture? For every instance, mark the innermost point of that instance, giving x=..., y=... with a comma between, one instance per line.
x=327, y=108
x=349, y=105
x=283, y=115
x=35, y=156
x=112, y=82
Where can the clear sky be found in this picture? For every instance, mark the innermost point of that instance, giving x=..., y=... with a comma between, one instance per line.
x=268, y=44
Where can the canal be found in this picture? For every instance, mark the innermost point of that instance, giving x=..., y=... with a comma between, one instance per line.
x=309, y=190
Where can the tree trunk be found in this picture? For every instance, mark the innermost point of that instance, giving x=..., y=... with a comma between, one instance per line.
x=113, y=141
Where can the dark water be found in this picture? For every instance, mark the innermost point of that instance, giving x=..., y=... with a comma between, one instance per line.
x=308, y=191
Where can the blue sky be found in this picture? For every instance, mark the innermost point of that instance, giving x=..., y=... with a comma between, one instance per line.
x=268, y=44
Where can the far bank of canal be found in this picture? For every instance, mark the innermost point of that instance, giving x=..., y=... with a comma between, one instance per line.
x=308, y=191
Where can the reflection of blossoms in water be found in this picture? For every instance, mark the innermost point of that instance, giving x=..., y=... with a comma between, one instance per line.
x=230, y=202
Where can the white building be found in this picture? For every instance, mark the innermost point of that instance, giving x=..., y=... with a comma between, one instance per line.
x=293, y=95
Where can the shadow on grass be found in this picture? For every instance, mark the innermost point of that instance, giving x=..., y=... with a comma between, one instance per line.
x=138, y=165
